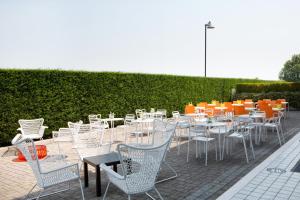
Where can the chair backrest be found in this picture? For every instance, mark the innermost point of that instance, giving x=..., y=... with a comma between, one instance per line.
x=140, y=166
x=175, y=114
x=189, y=109
x=94, y=118
x=31, y=126
x=202, y=104
x=163, y=112
x=28, y=149
x=139, y=113
x=229, y=107
x=162, y=131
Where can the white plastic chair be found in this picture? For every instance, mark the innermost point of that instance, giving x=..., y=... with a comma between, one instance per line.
x=47, y=174
x=89, y=142
x=32, y=128
x=140, y=167
x=128, y=124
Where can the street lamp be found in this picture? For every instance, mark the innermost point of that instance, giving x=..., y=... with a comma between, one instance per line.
x=207, y=26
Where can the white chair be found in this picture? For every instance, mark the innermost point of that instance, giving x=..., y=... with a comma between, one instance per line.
x=140, y=167
x=128, y=124
x=201, y=134
x=96, y=119
x=275, y=123
x=32, y=128
x=47, y=173
x=63, y=135
x=242, y=132
x=89, y=142
x=163, y=112
x=175, y=114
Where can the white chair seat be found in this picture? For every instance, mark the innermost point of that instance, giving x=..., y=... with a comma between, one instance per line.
x=237, y=135
x=204, y=139
x=32, y=136
x=220, y=130
x=271, y=125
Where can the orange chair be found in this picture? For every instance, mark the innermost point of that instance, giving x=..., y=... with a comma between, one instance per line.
x=229, y=106
x=202, y=104
x=190, y=108
x=248, y=100
x=269, y=112
x=239, y=110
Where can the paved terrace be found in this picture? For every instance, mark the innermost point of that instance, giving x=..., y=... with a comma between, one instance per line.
x=195, y=181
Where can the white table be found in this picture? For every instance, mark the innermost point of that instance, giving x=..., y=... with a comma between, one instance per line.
x=112, y=124
x=278, y=109
x=143, y=122
x=196, y=114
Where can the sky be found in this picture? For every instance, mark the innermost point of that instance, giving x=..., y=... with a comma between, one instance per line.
x=251, y=39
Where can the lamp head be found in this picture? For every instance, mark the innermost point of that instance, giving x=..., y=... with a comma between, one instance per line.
x=209, y=26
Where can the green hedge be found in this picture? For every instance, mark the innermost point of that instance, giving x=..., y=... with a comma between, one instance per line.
x=267, y=87
x=292, y=97
x=62, y=96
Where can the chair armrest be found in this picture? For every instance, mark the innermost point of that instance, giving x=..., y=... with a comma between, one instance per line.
x=66, y=167
x=111, y=172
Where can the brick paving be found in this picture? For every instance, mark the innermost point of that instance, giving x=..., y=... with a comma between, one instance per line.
x=195, y=180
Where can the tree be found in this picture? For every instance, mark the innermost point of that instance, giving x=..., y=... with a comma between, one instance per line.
x=291, y=69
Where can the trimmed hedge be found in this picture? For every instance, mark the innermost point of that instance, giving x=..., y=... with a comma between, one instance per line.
x=62, y=96
x=267, y=87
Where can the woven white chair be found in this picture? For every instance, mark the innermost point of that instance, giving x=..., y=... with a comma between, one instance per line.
x=32, y=128
x=47, y=173
x=140, y=167
x=89, y=142
x=95, y=120
x=163, y=112
x=128, y=125
x=62, y=136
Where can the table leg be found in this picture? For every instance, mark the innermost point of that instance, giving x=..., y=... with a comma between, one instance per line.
x=115, y=168
x=98, y=181
x=86, y=174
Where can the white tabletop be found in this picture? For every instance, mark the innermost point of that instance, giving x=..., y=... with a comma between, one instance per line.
x=199, y=108
x=256, y=115
x=220, y=108
x=211, y=104
x=278, y=109
x=146, y=120
x=250, y=108
x=212, y=124
x=113, y=119
x=284, y=102
x=195, y=114
x=237, y=104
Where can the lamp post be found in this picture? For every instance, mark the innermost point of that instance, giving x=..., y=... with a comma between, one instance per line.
x=207, y=26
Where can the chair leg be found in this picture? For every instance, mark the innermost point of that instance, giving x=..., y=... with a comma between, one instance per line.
x=216, y=150
x=206, y=147
x=278, y=134
x=104, y=196
x=245, y=150
x=251, y=145
x=129, y=197
x=82, y=194
x=188, y=150
x=196, y=149
x=158, y=193
x=40, y=193
x=281, y=129
x=30, y=191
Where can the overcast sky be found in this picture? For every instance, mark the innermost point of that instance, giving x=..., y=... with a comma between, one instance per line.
x=251, y=39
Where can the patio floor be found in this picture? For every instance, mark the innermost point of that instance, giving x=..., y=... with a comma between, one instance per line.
x=194, y=181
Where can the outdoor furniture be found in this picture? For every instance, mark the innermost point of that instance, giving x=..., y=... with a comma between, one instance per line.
x=276, y=123
x=128, y=124
x=202, y=135
x=95, y=161
x=140, y=167
x=63, y=135
x=47, y=173
x=241, y=132
x=112, y=121
x=32, y=128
